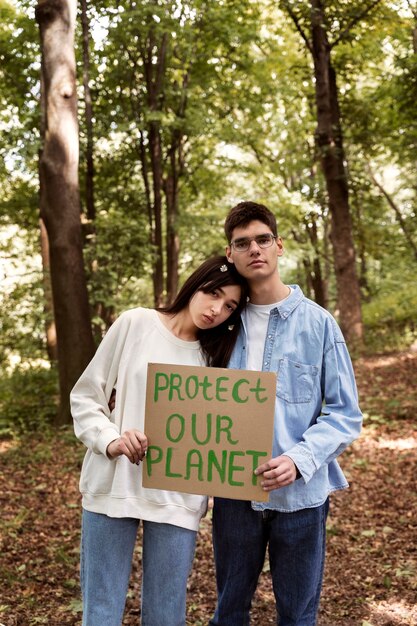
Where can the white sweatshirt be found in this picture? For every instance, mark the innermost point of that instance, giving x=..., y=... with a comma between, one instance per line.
x=114, y=487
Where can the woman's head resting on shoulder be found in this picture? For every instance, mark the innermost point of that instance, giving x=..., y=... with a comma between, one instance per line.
x=215, y=295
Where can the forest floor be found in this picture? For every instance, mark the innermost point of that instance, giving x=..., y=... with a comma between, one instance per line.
x=371, y=569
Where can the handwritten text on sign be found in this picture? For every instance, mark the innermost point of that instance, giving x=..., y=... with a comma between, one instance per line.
x=208, y=428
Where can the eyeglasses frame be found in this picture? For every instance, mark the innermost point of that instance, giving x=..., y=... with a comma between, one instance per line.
x=250, y=239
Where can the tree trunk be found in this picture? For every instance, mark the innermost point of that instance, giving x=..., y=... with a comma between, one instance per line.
x=319, y=287
x=48, y=309
x=89, y=157
x=172, y=241
x=156, y=167
x=327, y=268
x=59, y=194
x=176, y=169
x=155, y=75
x=330, y=146
x=154, y=210
x=413, y=9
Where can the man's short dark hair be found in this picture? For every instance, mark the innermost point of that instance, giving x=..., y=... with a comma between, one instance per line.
x=246, y=212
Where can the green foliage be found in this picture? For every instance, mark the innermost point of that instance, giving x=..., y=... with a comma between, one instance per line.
x=19, y=76
x=22, y=336
x=28, y=387
x=238, y=90
x=395, y=307
x=204, y=47
x=28, y=399
x=117, y=255
x=390, y=319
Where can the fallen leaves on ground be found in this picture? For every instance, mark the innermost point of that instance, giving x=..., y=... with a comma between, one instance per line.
x=370, y=577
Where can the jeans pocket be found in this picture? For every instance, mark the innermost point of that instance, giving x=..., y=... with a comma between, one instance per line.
x=296, y=381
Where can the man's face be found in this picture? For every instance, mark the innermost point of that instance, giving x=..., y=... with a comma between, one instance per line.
x=257, y=262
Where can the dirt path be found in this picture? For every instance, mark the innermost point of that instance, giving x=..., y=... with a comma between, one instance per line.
x=371, y=575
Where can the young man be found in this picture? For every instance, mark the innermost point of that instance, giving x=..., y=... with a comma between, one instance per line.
x=316, y=417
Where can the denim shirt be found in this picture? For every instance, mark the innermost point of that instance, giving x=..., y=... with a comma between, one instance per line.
x=316, y=406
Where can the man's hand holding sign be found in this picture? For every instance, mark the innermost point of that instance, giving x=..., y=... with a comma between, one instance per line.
x=208, y=429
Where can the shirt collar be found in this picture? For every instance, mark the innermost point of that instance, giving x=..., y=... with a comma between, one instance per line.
x=287, y=306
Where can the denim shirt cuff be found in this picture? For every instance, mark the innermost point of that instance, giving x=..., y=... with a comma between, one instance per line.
x=303, y=462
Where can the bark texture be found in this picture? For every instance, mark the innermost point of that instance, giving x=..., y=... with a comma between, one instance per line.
x=59, y=194
x=89, y=156
x=329, y=142
x=48, y=309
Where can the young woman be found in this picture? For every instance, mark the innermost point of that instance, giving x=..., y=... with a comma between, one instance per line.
x=199, y=328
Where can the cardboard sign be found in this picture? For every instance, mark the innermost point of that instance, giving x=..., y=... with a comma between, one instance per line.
x=208, y=429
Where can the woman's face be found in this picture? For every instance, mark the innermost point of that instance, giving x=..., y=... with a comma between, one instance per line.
x=209, y=310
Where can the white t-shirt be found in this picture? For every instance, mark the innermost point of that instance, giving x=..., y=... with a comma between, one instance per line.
x=257, y=318
x=114, y=487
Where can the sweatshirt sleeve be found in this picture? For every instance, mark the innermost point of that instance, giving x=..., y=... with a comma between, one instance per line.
x=340, y=420
x=90, y=395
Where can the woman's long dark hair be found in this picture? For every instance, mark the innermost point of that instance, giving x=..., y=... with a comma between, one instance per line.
x=217, y=343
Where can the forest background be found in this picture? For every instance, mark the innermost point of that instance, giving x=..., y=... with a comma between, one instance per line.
x=127, y=132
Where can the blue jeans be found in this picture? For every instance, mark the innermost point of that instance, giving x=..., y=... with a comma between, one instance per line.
x=107, y=546
x=296, y=545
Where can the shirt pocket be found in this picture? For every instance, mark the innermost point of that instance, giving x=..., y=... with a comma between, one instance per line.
x=295, y=382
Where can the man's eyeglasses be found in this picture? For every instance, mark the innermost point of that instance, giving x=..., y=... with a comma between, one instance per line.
x=263, y=241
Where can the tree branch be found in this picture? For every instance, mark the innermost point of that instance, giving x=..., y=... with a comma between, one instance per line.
x=297, y=24
x=412, y=9
x=354, y=21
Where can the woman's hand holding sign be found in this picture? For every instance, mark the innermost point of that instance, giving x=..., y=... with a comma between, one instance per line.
x=279, y=471
x=133, y=444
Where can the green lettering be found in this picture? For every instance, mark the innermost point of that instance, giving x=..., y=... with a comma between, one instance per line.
x=201, y=442
x=198, y=464
x=168, y=433
x=257, y=390
x=213, y=461
x=235, y=468
x=168, y=472
x=205, y=386
x=255, y=454
x=235, y=392
x=153, y=455
x=190, y=379
x=159, y=387
x=220, y=389
x=226, y=429
x=175, y=381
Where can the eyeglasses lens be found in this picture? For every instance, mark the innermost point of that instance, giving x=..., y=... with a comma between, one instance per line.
x=263, y=241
